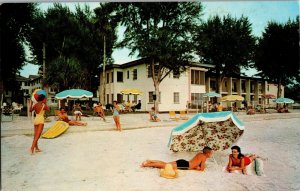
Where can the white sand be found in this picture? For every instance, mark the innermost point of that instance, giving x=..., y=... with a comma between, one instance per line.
x=110, y=160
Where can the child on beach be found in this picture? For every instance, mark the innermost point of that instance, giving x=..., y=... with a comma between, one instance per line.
x=153, y=116
x=39, y=120
x=237, y=161
x=77, y=111
x=98, y=109
x=196, y=163
x=116, y=116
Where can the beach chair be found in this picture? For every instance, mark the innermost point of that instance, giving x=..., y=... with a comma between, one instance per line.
x=183, y=115
x=7, y=113
x=173, y=116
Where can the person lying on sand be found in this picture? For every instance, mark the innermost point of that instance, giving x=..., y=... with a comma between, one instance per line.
x=63, y=116
x=237, y=161
x=196, y=163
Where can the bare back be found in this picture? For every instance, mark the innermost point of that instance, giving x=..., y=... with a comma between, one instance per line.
x=198, y=162
x=38, y=107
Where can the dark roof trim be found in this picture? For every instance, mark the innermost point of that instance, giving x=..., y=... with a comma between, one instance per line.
x=144, y=61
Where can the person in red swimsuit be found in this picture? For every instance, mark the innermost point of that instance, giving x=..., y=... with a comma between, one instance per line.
x=237, y=161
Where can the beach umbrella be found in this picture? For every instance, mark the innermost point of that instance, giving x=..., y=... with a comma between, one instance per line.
x=232, y=98
x=74, y=94
x=210, y=94
x=217, y=130
x=269, y=96
x=131, y=91
x=283, y=100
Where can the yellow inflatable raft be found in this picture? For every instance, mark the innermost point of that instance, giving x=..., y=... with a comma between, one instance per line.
x=57, y=129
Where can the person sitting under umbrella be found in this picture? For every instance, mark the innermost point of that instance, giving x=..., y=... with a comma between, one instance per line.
x=63, y=116
x=196, y=163
x=283, y=109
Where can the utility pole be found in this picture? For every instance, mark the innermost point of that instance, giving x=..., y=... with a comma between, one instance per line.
x=102, y=84
x=44, y=64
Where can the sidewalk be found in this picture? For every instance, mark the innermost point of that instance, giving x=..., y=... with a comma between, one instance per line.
x=24, y=126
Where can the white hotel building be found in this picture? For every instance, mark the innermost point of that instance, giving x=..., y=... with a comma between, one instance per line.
x=178, y=91
x=175, y=90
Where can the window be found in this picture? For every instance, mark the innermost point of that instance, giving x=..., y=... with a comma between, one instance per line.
x=127, y=74
x=112, y=98
x=151, y=97
x=119, y=76
x=213, y=85
x=134, y=74
x=252, y=86
x=156, y=68
x=176, y=97
x=243, y=86
x=176, y=74
x=234, y=87
x=198, y=77
x=107, y=98
x=196, y=99
x=268, y=87
x=120, y=98
x=107, y=78
x=112, y=77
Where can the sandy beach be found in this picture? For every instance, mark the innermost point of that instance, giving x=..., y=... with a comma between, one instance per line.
x=96, y=158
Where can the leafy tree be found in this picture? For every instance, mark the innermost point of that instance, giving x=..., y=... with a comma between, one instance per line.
x=72, y=43
x=226, y=43
x=161, y=33
x=293, y=88
x=277, y=54
x=15, y=19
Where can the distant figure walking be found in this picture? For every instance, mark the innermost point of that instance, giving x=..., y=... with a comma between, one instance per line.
x=99, y=111
x=39, y=120
x=116, y=116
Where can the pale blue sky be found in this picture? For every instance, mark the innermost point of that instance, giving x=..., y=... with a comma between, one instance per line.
x=259, y=14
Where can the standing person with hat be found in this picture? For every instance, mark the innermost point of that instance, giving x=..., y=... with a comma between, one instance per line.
x=40, y=107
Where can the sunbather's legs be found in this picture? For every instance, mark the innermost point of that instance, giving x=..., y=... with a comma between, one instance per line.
x=154, y=164
x=158, y=164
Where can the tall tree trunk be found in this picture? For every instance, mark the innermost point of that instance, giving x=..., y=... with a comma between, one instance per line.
x=278, y=91
x=156, y=83
x=156, y=102
x=218, y=81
